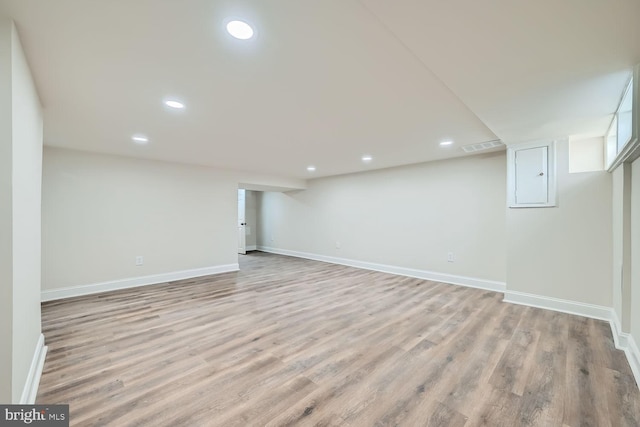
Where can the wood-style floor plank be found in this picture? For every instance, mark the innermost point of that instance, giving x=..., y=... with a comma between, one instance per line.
x=292, y=342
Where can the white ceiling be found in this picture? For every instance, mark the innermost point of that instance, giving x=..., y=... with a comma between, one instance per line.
x=325, y=82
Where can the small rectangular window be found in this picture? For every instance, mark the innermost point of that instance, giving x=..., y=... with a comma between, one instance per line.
x=625, y=122
x=612, y=141
x=622, y=137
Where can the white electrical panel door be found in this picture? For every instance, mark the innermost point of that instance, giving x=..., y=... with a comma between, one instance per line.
x=532, y=176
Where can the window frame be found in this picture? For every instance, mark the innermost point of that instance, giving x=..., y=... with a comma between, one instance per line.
x=631, y=148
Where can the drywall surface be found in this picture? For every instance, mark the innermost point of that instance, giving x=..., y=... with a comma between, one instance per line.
x=409, y=217
x=635, y=252
x=565, y=251
x=100, y=212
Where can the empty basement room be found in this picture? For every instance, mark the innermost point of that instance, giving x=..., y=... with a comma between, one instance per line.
x=339, y=213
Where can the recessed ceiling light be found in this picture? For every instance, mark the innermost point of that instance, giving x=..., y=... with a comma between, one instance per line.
x=174, y=104
x=445, y=143
x=311, y=168
x=367, y=158
x=240, y=30
x=140, y=139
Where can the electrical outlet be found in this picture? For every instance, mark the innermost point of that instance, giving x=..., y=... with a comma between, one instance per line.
x=450, y=257
x=139, y=260
x=338, y=244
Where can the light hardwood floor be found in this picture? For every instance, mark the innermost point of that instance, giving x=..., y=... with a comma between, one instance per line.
x=287, y=342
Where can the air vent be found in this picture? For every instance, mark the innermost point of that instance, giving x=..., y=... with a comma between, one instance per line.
x=472, y=148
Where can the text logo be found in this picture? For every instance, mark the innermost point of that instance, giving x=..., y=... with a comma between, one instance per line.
x=34, y=415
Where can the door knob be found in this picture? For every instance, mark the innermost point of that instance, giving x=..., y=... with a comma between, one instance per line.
x=541, y=174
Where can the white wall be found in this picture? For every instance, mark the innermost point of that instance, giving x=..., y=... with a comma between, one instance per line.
x=405, y=217
x=27, y=180
x=100, y=212
x=586, y=154
x=566, y=251
x=635, y=252
x=621, y=263
x=20, y=185
x=6, y=216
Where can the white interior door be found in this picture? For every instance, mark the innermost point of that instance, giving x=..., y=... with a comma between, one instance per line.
x=242, y=236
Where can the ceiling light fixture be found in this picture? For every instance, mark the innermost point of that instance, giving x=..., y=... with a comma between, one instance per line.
x=174, y=104
x=367, y=158
x=240, y=30
x=311, y=168
x=140, y=139
x=445, y=143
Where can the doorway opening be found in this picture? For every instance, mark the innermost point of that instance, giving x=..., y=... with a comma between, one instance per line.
x=247, y=221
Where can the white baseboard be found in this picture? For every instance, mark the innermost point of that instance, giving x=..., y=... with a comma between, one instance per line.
x=633, y=356
x=252, y=248
x=30, y=389
x=625, y=342
x=74, y=291
x=402, y=271
x=622, y=340
x=557, y=304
